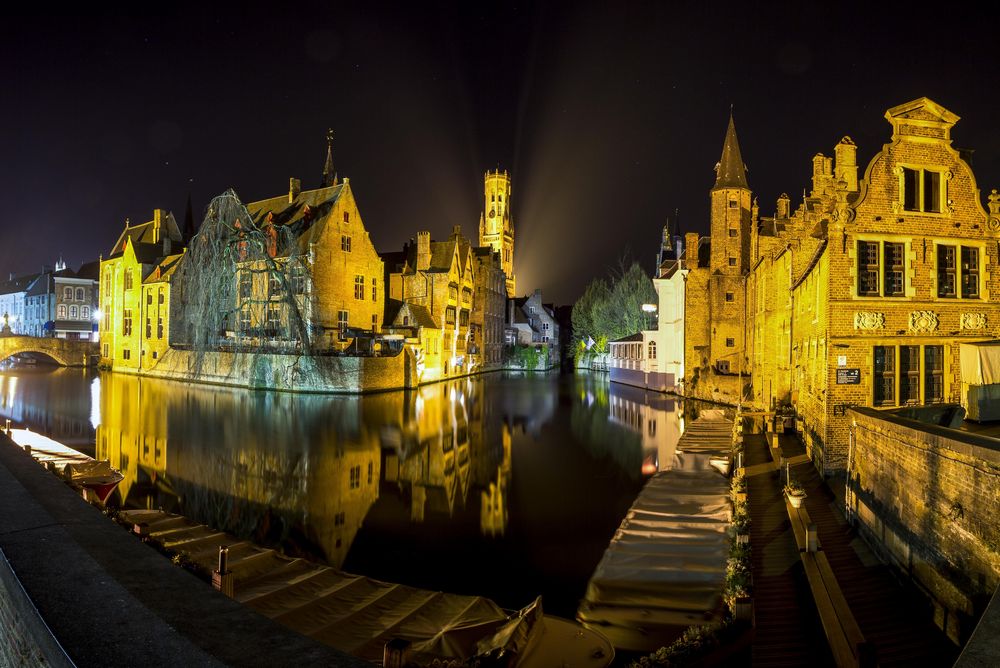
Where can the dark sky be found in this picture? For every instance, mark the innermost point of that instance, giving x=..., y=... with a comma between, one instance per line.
x=609, y=115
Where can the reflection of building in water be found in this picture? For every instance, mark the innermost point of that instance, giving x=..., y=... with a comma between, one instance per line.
x=655, y=417
x=51, y=401
x=448, y=438
x=300, y=470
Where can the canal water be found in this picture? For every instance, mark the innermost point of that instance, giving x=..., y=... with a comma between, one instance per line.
x=503, y=485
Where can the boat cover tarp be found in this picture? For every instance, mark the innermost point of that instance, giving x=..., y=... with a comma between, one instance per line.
x=980, y=362
x=671, y=549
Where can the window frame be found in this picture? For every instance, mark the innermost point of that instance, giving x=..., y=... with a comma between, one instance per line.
x=882, y=269
x=960, y=271
x=927, y=379
x=920, y=199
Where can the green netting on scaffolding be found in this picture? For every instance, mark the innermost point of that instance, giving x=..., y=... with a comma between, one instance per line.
x=243, y=284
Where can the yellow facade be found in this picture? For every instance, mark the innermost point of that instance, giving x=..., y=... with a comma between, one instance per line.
x=496, y=227
x=142, y=252
x=887, y=274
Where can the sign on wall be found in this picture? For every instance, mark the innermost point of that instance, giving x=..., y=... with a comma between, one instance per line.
x=848, y=376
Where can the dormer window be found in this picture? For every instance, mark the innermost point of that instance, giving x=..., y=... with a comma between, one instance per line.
x=922, y=190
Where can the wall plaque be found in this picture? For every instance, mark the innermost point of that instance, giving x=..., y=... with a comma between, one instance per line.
x=848, y=376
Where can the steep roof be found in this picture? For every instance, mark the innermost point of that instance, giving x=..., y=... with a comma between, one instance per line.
x=91, y=270
x=165, y=269
x=144, y=238
x=308, y=207
x=17, y=284
x=731, y=172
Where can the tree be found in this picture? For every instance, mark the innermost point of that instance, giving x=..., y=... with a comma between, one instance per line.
x=613, y=310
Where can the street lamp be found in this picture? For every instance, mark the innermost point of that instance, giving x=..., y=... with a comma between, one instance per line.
x=650, y=310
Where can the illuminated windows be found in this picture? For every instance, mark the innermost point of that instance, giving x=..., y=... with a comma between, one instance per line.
x=881, y=268
x=128, y=279
x=652, y=350
x=958, y=278
x=359, y=287
x=127, y=322
x=922, y=190
x=298, y=280
x=355, y=480
x=730, y=296
x=907, y=375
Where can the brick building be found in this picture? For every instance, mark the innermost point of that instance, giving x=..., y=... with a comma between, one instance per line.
x=862, y=295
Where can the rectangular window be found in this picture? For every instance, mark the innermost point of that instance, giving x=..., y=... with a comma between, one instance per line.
x=449, y=315
x=947, y=271
x=733, y=204
x=375, y=322
x=374, y=290
x=932, y=191
x=911, y=189
x=868, y=269
x=345, y=242
x=273, y=320
x=159, y=328
x=884, y=376
x=355, y=481
x=933, y=374
x=359, y=287
x=342, y=320
x=893, y=253
x=730, y=296
x=970, y=272
x=245, y=319
x=128, y=279
x=149, y=299
x=273, y=285
x=246, y=284
x=922, y=190
x=732, y=232
x=730, y=343
x=160, y=296
x=127, y=322
x=722, y=366
x=149, y=328
x=298, y=280
x=958, y=266
x=732, y=262
x=126, y=354
x=909, y=375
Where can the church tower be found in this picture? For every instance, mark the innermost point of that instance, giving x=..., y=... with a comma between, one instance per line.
x=731, y=212
x=496, y=229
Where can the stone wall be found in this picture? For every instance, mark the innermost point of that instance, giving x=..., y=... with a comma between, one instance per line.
x=24, y=639
x=926, y=498
x=295, y=373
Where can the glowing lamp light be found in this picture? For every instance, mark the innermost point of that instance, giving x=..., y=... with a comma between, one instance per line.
x=96, y=315
x=649, y=308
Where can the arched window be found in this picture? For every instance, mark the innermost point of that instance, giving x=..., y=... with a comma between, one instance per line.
x=79, y=294
x=652, y=350
x=85, y=312
x=61, y=311
x=74, y=312
x=67, y=292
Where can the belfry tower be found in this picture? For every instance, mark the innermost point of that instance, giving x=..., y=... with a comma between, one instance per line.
x=496, y=229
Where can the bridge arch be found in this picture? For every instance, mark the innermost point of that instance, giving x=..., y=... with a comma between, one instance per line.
x=64, y=352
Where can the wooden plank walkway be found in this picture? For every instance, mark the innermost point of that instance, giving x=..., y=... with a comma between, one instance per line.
x=896, y=620
x=788, y=630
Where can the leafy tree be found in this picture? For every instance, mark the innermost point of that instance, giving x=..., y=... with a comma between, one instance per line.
x=613, y=310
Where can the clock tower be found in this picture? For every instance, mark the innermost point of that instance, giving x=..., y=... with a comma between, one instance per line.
x=496, y=229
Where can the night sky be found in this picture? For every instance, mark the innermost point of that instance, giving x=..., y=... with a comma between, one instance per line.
x=609, y=115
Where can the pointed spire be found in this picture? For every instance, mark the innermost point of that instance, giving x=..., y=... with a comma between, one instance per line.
x=731, y=172
x=329, y=174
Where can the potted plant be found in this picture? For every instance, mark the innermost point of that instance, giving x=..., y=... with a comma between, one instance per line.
x=795, y=493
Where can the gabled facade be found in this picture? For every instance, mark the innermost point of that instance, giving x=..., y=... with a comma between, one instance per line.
x=13, y=295
x=862, y=295
x=138, y=251
x=439, y=276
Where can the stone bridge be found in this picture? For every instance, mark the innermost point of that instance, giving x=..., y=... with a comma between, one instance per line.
x=65, y=352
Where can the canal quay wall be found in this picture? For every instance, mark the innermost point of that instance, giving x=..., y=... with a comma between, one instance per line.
x=107, y=599
x=284, y=372
x=925, y=498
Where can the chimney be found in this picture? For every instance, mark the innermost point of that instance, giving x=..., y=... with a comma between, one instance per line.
x=294, y=188
x=423, y=251
x=158, y=216
x=691, y=246
x=847, y=163
x=456, y=231
x=817, y=176
x=784, y=207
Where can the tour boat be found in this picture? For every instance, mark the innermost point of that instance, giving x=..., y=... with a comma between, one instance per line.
x=76, y=467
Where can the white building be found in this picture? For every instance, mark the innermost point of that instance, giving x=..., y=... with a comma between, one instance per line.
x=654, y=358
x=12, y=294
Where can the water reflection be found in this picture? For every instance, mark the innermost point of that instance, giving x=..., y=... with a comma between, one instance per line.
x=52, y=400
x=502, y=485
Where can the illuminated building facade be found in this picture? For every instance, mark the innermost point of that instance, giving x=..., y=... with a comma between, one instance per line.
x=127, y=305
x=715, y=365
x=496, y=227
x=862, y=295
x=440, y=277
